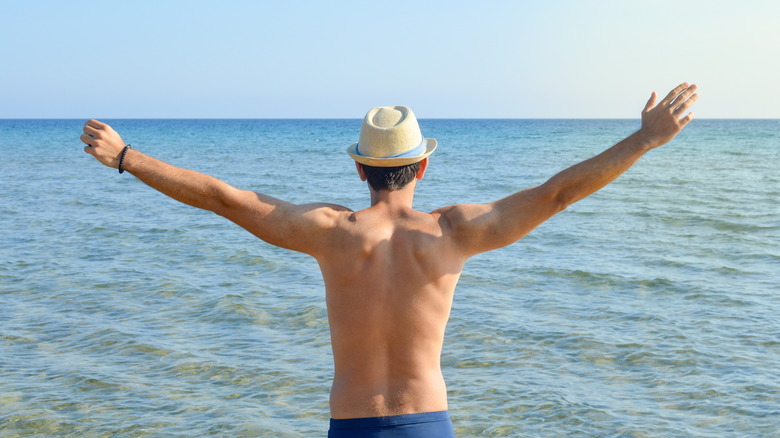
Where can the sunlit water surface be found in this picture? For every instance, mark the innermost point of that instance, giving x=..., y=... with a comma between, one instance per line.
x=648, y=310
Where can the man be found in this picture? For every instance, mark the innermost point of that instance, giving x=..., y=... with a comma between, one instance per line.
x=390, y=271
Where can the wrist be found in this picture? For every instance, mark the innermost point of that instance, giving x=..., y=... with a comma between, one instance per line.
x=643, y=141
x=122, y=159
x=132, y=160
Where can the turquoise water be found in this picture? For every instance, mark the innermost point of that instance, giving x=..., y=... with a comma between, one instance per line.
x=647, y=310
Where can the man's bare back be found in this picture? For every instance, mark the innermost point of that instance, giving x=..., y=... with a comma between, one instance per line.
x=390, y=271
x=390, y=274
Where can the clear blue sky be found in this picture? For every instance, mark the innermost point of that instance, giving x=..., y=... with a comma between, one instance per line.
x=300, y=59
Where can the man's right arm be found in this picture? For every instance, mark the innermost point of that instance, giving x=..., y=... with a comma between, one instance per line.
x=280, y=223
x=479, y=228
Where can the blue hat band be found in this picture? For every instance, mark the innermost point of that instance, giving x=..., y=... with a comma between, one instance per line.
x=419, y=150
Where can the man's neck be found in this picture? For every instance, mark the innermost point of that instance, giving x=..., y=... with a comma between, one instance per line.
x=394, y=199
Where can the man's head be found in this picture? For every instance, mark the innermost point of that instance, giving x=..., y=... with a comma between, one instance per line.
x=391, y=148
x=390, y=178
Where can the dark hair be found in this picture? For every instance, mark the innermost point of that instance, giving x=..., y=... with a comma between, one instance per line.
x=390, y=178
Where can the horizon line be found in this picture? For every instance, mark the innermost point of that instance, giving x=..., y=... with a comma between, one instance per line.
x=360, y=118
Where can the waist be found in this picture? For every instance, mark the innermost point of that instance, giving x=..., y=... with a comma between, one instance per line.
x=352, y=398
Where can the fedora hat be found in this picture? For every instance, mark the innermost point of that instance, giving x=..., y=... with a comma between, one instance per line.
x=390, y=136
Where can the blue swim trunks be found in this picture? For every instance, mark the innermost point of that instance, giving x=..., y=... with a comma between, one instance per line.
x=426, y=424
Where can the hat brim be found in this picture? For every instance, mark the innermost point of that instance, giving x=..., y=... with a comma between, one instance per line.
x=391, y=162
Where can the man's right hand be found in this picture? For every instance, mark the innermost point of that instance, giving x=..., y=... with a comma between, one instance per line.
x=662, y=122
x=102, y=143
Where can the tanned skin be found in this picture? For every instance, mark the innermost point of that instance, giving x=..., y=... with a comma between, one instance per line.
x=390, y=271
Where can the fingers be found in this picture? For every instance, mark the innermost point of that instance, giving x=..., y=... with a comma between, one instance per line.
x=687, y=119
x=651, y=102
x=672, y=94
x=683, y=96
x=677, y=101
x=91, y=133
x=87, y=139
x=685, y=104
x=91, y=130
x=95, y=124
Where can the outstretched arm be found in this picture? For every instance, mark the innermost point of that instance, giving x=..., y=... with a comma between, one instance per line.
x=479, y=228
x=279, y=223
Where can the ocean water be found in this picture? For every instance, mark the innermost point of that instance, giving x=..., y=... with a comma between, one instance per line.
x=651, y=309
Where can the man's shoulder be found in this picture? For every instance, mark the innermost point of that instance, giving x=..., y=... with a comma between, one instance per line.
x=457, y=214
x=327, y=208
x=324, y=214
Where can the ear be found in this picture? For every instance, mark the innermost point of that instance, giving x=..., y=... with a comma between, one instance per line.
x=423, y=167
x=361, y=172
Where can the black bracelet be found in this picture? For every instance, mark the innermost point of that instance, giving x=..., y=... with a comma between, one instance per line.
x=122, y=158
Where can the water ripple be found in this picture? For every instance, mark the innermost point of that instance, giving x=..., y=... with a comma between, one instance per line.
x=647, y=310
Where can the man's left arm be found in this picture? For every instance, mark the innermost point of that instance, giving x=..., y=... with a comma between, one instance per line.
x=660, y=124
x=479, y=228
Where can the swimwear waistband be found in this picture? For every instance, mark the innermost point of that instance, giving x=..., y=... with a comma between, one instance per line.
x=395, y=420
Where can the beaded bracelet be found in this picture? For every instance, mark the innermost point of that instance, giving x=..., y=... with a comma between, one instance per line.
x=122, y=158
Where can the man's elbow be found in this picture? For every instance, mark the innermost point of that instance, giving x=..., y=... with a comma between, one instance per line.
x=224, y=202
x=562, y=201
x=556, y=197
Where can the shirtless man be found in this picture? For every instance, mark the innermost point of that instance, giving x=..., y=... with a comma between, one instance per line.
x=390, y=271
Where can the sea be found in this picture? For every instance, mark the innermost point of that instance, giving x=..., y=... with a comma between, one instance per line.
x=650, y=309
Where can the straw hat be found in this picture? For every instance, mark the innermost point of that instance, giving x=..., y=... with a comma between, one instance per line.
x=390, y=136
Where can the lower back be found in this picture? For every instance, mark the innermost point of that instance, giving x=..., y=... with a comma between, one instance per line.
x=358, y=393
